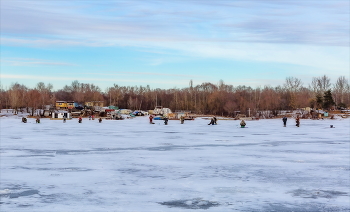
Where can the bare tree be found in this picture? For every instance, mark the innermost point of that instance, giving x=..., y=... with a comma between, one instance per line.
x=340, y=88
x=320, y=84
x=206, y=98
x=45, y=93
x=34, y=99
x=324, y=83
x=4, y=98
x=17, y=96
x=314, y=85
x=293, y=84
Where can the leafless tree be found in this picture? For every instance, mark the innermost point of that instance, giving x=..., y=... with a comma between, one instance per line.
x=17, y=96
x=45, y=93
x=339, y=90
x=320, y=84
x=293, y=84
x=34, y=99
x=205, y=98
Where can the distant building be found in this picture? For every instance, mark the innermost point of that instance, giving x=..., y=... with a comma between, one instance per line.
x=95, y=103
x=159, y=110
x=61, y=115
x=65, y=105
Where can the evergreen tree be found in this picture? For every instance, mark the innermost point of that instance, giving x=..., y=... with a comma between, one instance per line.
x=327, y=99
x=319, y=100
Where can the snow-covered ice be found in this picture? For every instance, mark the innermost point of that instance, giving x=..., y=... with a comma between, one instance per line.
x=131, y=165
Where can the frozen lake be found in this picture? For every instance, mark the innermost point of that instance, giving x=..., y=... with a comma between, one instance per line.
x=131, y=165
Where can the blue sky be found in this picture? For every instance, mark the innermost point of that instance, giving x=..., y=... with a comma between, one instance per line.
x=165, y=44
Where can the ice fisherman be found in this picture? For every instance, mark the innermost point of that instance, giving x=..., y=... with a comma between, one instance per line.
x=151, y=119
x=80, y=119
x=182, y=119
x=166, y=119
x=37, y=120
x=100, y=120
x=215, y=120
x=284, y=119
x=212, y=121
x=243, y=123
x=64, y=119
x=297, y=121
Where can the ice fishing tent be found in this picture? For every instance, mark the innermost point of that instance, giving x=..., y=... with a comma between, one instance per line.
x=159, y=110
x=61, y=115
x=125, y=111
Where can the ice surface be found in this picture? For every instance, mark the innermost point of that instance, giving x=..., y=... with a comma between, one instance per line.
x=130, y=165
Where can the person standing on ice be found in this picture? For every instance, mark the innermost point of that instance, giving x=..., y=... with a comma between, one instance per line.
x=182, y=119
x=284, y=119
x=100, y=120
x=37, y=120
x=80, y=119
x=297, y=120
x=64, y=119
x=151, y=119
x=215, y=120
x=166, y=119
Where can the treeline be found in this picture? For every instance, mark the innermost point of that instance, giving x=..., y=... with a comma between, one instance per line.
x=206, y=98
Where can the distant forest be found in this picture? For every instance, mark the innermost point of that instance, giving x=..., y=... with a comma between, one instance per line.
x=206, y=98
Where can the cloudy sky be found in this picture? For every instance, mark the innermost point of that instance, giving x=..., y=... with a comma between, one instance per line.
x=165, y=44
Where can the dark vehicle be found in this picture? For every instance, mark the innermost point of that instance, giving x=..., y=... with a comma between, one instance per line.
x=138, y=113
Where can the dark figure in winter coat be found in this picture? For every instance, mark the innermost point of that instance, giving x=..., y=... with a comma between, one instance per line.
x=64, y=119
x=100, y=120
x=212, y=121
x=80, y=120
x=215, y=120
x=242, y=124
x=37, y=120
x=24, y=120
x=166, y=119
x=297, y=121
x=284, y=119
x=151, y=119
x=182, y=119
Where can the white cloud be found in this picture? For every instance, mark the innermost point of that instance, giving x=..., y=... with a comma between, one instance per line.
x=112, y=22
x=312, y=34
x=89, y=79
x=127, y=73
x=32, y=62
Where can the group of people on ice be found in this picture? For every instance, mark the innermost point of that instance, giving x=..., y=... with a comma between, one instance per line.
x=213, y=120
x=80, y=120
x=166, y=119
x=297, y=121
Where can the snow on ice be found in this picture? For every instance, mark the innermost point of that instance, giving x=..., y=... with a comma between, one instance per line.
x=131, y=165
